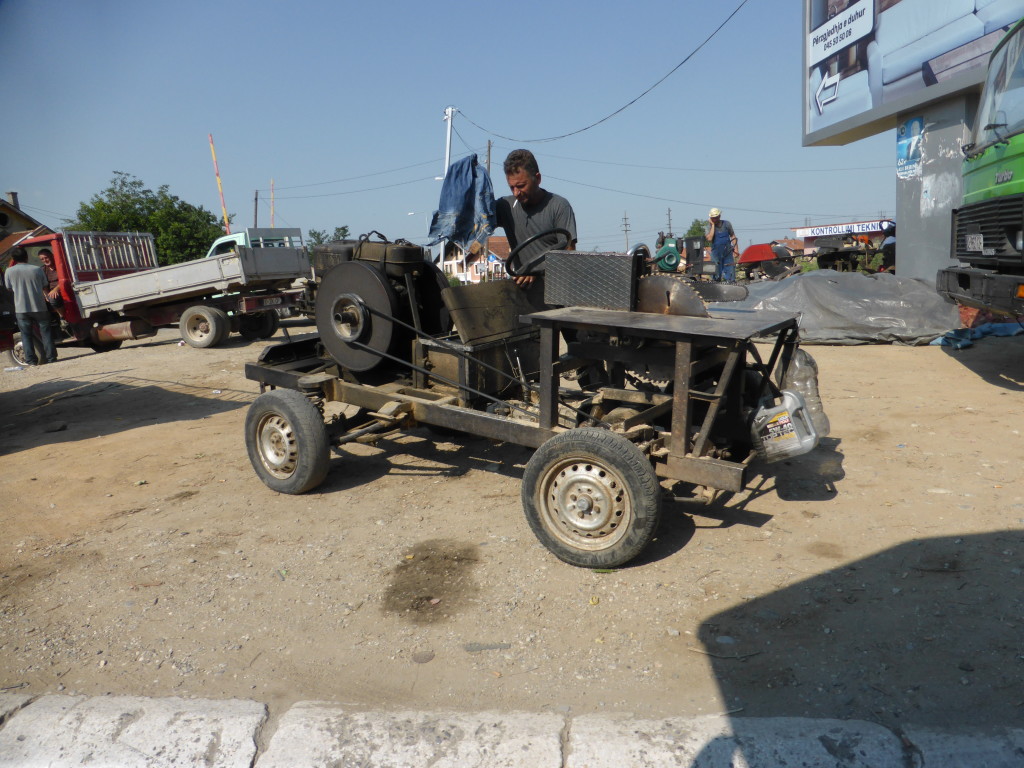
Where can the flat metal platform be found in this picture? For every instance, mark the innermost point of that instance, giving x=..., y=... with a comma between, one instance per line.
x=728, y=324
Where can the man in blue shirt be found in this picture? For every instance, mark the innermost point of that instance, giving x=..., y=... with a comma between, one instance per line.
x=724, y=250
x=28, y=284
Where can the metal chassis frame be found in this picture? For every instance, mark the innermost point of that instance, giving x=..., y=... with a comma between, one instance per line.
x=682, y=456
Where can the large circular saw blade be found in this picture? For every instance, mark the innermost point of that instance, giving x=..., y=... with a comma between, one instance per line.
x=668, y=294
x=351, y=334
x=663, y=294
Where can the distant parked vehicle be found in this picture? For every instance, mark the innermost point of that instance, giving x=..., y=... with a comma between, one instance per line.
x=112, y=288
x=767, y=261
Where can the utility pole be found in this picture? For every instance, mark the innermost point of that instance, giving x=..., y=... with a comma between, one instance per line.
x=449, y=117
x=669, y=231
x=625, y=227
x=488, y=157
x=255, y=209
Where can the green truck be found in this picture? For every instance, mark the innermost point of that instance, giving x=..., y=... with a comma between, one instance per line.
x=988, y=228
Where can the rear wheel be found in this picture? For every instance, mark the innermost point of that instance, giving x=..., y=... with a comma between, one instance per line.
x=108, y=347
x=260, y=325
x=287, y=441
x=202, y=326
x=591, y=497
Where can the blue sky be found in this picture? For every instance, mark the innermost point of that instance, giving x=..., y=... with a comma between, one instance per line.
x=342, y=103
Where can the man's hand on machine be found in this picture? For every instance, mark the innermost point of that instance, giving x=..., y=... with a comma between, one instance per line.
x=523, y=280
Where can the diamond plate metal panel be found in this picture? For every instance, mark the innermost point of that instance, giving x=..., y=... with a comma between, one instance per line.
x=591, y=279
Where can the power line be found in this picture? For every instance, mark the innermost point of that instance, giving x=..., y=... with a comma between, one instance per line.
x=471, y=150
x=697, y=204
x=277, y=213
x=355, y=178
x=625, y=106
x=355, y=191
x=723, y=170
x=43, y=210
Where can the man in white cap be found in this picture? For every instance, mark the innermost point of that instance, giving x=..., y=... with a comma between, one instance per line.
x=724, y=248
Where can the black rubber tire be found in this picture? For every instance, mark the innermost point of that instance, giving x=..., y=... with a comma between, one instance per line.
x=260, y=325
x=272, y=324
x=287, y=441
x=203, y=327
x=616, y=482
x=105, y=347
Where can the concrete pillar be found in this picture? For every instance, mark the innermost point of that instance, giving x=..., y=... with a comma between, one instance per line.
x=925, y=199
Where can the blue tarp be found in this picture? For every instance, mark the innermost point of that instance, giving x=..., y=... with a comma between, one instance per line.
x=964, y=337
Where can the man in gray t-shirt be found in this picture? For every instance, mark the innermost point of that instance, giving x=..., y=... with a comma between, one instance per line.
x=28, y=284
x=530, y=210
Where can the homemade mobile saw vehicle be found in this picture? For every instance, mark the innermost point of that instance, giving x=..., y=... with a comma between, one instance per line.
x=658, y=387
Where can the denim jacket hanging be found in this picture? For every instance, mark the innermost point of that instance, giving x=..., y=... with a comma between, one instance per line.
x=465, y=213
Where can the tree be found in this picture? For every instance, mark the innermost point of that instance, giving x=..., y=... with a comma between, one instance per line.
x=319, y=236
x=181, y=231
x=696, y=228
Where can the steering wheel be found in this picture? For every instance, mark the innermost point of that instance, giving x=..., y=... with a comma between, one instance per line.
x=512, y=260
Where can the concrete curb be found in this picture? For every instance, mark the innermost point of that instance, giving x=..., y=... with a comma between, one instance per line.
x=130, y=732
x=317, y=734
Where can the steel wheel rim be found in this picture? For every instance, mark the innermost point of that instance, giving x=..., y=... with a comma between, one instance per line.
x=585, y=504
x=198, y=327
x=18, y=353
x=278, y=447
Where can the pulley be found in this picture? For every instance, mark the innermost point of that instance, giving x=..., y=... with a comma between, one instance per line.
x=351, y=333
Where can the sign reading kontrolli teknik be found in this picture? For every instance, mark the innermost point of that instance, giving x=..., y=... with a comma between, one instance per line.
x=853, y=228
x=856, y=22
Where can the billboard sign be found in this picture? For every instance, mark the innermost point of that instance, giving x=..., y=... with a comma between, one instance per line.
x=865, y=61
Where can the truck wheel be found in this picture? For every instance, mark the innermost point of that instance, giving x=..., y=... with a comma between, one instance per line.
x=287, y=441
x=202, y=326
x=261, y=325
x=105, y=347
x=591, y=497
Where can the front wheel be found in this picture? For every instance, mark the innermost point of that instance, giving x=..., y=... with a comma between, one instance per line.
x=287, y=441
x=202, y=326
x=592, y=498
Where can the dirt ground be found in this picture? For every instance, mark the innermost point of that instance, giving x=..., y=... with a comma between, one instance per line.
x=878, y=577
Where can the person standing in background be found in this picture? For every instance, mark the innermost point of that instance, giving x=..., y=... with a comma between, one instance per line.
x=28, y=284
x=724, y=247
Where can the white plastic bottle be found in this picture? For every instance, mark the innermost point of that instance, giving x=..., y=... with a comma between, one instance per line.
x=802, y=377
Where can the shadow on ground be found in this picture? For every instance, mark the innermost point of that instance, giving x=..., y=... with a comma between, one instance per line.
x=999, y=360
x=927, y=634
x=66, y=410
